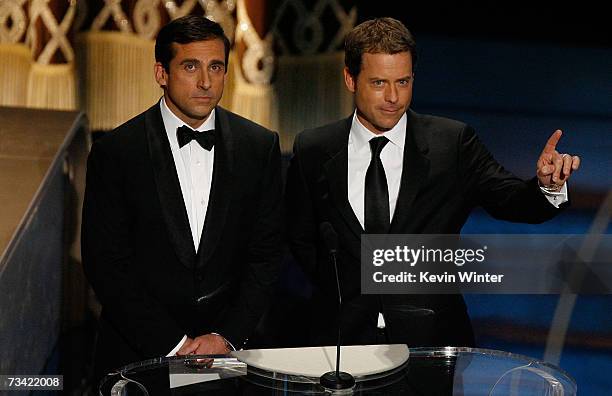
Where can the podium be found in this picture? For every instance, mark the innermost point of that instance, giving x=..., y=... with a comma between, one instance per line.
x=426, y=371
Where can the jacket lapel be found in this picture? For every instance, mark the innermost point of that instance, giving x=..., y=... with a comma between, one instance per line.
x=168, y=187
x=336, y=171
x=414, y=171
x=221, y=189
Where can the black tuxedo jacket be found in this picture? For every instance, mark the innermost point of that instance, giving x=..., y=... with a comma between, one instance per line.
x=137, y=246
x=446, y=172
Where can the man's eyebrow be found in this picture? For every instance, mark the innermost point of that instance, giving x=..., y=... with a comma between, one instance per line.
x=217, y=62
x=406, y=77
x=189, y=60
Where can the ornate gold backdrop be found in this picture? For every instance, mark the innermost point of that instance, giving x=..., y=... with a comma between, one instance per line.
x=36, y=57
x=285, y=67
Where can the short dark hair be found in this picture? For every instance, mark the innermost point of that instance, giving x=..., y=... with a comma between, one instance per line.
x=377, y=36
x=184, y=30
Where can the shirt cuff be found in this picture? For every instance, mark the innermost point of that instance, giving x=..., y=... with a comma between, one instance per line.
x=556, y=198
x=179, y=345
x=229, y=344
x=381, y=321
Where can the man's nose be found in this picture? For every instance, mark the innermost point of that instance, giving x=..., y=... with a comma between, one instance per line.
x=204, y=81
x=391, y=93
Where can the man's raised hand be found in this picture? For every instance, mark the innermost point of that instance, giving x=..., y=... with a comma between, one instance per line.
x=554, y=168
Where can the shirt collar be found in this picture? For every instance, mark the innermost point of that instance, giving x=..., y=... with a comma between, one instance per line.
x=360, y=135
x=172, y=122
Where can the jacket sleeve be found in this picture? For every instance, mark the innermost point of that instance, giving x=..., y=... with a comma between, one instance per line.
x=301, y=220
x=107, y=260
x=502, y=194
x=263, y=258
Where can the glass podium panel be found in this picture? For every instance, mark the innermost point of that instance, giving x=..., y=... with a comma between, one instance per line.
x=428, y=371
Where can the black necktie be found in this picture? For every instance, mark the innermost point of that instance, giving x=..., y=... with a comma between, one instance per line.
x=206, y=139
x=376, y=192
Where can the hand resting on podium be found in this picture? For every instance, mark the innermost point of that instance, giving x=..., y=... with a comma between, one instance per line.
x=207, y=344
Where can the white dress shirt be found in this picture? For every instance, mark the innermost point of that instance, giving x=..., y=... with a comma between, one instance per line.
x=392, y=157
x=194, y=167
x=359, y=156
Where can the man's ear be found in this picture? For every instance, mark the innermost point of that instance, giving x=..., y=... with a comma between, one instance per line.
x=349, y=80
x=160, y=74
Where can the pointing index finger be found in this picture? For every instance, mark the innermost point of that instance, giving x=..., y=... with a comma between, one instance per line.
x=551, y=144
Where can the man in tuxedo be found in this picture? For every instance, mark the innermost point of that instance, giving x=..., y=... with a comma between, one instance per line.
x=387, y=169
x=182, y=213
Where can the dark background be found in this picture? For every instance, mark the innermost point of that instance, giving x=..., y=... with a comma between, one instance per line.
x=567, y=23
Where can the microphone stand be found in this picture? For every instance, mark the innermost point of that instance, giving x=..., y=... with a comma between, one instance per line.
x=337, y=380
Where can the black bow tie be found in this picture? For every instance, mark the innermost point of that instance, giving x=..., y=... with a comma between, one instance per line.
x=206, y=139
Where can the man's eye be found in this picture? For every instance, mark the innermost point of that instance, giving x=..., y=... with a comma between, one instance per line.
x=216, y=67
x=378, y=83
x=190, y=67
x=404, y=82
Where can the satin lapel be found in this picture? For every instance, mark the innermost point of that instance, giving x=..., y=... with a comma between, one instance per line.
x=221, y=189
x=169, y=188
x=336, y=172
x=414, y=172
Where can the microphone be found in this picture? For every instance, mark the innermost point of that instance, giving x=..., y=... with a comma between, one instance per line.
x=335, y=380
